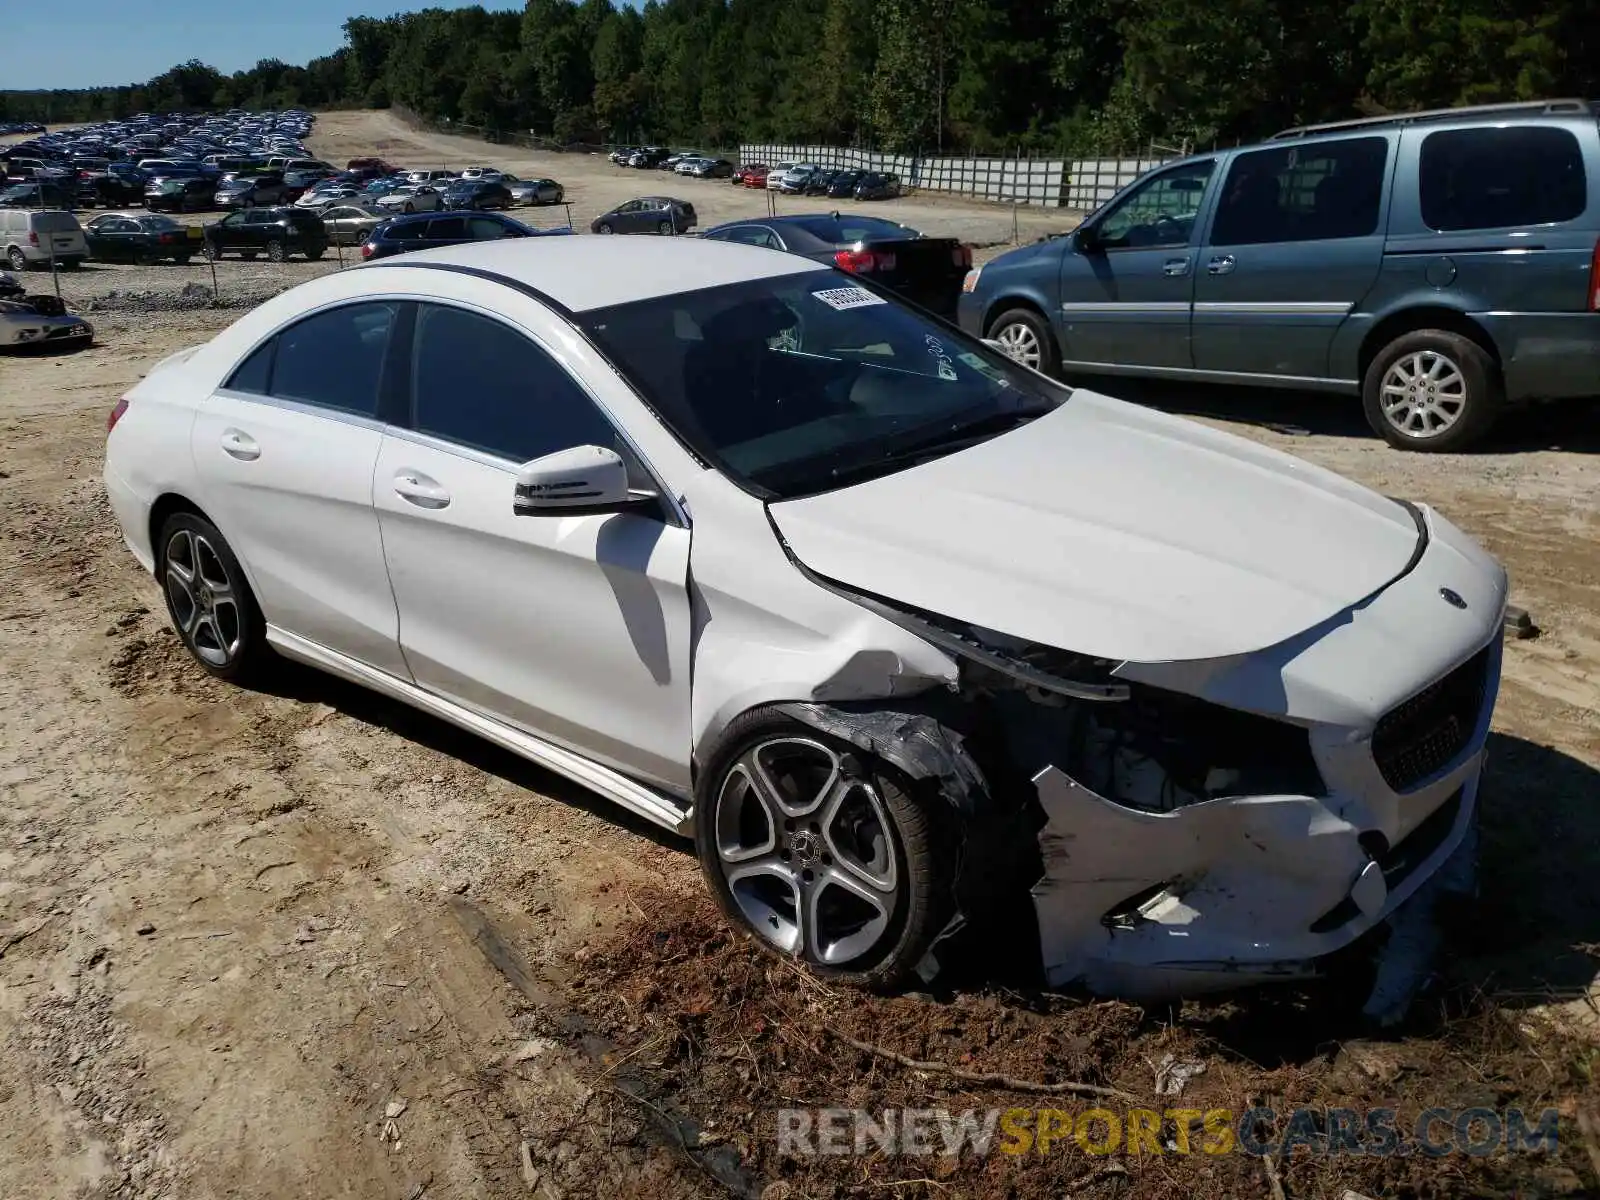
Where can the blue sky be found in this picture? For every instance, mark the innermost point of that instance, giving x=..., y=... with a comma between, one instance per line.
x=95, y=42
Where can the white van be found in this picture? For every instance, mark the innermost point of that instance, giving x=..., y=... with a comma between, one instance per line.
x=29, y=237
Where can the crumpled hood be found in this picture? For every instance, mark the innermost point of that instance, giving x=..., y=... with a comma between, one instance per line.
x=1114, y=531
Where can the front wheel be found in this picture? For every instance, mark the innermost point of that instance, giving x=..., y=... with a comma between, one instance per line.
x=665, y=228
x=1432, y=390
x=1025, y=335
x=605, y=227
x=208, y=599
x=820, y=851
x=277, y=252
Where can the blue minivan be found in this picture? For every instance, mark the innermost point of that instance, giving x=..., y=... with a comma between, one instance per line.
x=1441, y=265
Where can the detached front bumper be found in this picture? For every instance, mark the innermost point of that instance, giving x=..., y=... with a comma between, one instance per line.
x=1396, y=695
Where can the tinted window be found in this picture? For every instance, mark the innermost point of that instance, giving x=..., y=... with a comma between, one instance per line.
x=254, y=373
x=447, y=228
x=484, y=228
x=482, y=384
x=411, y=231
x=1161, y=212
x=1492, y=178
x=1303, y=193
x=335, y=359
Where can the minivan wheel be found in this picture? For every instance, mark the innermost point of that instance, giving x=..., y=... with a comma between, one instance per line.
x=1025, y=336
x=820, y=852
x=15, y=257
x=1432, y=390
x=210, y=603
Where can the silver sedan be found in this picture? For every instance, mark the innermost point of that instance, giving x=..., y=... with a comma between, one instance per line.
x=351, y=224
x=536, y=191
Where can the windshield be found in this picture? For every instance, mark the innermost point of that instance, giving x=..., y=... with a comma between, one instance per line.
x=809, y=382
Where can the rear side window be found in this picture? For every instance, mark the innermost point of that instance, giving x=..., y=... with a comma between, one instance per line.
x=482, y=384
x=1303, y=193
x=410, y=231
x=335, y=359
x=446, y=228
x=254, y=374
x=1494, y=178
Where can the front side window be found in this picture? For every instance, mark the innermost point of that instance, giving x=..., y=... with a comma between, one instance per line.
x=335, y=358
x=803, y=383
x=1160, y=213
x=1494, y=178
x=480, y=383
x=1303, y=193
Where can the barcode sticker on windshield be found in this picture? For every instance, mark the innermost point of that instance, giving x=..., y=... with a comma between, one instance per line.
x=848, y=297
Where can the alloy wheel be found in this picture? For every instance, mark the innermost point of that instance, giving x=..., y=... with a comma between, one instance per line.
x=1423, y=394
x=204, y=602
x=807, y=852
x=1021, y=343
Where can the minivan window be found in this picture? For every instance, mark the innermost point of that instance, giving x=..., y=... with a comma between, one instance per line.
x=480, y=383
x=1303, y=193
x=335, y=358
x=1493, y=178
x=1159, y=212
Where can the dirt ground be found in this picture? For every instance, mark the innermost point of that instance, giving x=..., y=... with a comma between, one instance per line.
x=304, y=942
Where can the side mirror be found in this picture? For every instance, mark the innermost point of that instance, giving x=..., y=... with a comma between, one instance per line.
x=1087, y=240
x=578, y=482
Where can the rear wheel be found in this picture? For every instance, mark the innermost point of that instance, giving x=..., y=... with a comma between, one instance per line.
x=1432, y=390
x=1025, y=335
x=208, y=598
x=315, y=253
x=15, y=257
x=820, y=851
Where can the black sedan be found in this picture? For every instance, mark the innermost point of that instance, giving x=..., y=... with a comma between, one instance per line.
x=926, y=271
x=819, y=183
x=424, y=231
x=877, y=186
x=132, y=237
x=477, y=194
x=843, y=184
x=648, y=214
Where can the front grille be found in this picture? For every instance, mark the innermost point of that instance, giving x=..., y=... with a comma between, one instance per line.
x=1427, y=732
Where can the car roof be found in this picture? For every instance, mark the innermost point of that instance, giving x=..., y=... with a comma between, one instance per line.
x=583, y=273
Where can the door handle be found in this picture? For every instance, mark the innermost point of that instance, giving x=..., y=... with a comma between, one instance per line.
x=420, y=490
x=239, y=444
x=1223, y=264
x=1175, y=266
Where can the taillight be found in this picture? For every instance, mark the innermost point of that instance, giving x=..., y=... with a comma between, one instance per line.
x=33, y=238
x=116, y=414
x=962, y=256
x=1594, y=280
x=863, y=262
x=366, y=249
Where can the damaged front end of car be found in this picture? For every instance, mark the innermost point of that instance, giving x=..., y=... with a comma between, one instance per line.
x=1173, y=829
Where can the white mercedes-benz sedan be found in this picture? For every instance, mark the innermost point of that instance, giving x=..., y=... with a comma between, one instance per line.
x=927, y=651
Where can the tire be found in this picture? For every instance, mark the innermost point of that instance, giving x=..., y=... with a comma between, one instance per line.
x=314, y=254
x=17, y=259
x=277, y=251
x=211, y=252
x=913, y=875
x=229, y=645
x=605, y=227
x=1432, y=390
x=1028, y=339
x=665, y=229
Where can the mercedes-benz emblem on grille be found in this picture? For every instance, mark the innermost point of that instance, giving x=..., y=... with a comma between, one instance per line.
x=1452, y=598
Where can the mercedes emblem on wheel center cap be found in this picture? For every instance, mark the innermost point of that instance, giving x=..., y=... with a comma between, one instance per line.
x=1452, y=598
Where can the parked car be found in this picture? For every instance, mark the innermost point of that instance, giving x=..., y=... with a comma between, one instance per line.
x=482, y=173
x=1388, y=259
x=672, y=161
x=402, y=235
x=480, y=193
x=320, y=198
x=820, y=182
x=351, y=224
x=437, y=177
x=36, y=237
x=1009, y=646
x=648, y=214
x=537, y=191
x=797, y=177
x=711, y=168
x=118, y=186
x=878, y=185
x=413, y=197
x=753, y=175
x=39, y=321
x=844, y=183
x=775, y=176
x=649, y=158
x=927, y=271
x=195, y=194
x=622, y=154
x=40, y=193
x=276, y=232
x=141, y=238
x=264, y=190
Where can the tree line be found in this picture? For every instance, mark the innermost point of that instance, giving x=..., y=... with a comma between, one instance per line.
x=1047, y=76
